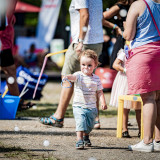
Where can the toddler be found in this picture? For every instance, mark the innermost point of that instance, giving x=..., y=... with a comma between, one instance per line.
x=87, y=86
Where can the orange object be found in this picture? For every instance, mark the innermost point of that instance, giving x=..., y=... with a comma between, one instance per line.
x=107, y=76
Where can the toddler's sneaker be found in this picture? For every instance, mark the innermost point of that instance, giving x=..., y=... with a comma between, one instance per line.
x=156, y=145
x=87, y=141
x=80, y=144
x=141, y=146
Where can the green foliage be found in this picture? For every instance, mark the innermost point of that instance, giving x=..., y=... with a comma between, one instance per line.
x=31, y=19
x=33, y=2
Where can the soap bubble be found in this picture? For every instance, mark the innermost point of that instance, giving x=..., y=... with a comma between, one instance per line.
x=46, y=143
x=10, y=80
x=123, y=12
x=16, y=129
x=34, y=107
x=20, y=80
x=67, y=28
x=115, y=17
x=101, y=70
x=107, y=9
x=84, y=29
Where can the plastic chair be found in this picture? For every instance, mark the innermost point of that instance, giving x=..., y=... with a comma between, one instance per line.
x=121, y=100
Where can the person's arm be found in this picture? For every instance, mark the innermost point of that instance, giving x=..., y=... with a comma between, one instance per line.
x=117, y=65
x=108, y=15
x=84, y=20
x=70, y=77
x=102, y=99
x=131, y=21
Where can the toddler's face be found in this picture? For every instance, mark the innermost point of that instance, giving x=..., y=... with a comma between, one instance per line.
x=87, y=65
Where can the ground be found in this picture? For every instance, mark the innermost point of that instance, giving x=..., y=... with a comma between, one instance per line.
x=27, y=143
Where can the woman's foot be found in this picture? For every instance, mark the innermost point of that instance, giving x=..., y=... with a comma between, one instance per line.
x=125, y=134
x=142, y=147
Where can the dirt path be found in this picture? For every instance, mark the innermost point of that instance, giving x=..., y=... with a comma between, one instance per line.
x=32, y=134
x=106, y=146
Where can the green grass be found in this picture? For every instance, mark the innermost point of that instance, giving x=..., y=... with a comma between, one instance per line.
x=45, y=110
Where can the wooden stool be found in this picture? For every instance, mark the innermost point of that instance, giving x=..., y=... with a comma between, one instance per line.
x=120, y=112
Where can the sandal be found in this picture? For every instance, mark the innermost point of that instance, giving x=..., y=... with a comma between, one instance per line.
x=126, y=135
x=129, y=124
x=139, y=134
x=87, y=141
x=48, y=121
x=97, y=125
x=80, y=144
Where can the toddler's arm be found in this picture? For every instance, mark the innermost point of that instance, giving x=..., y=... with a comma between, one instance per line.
x=102, y=99
x=70, y=77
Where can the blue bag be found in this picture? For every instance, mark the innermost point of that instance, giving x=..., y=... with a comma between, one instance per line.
x=32, y=78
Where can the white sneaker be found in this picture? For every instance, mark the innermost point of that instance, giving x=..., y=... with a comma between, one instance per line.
x=156, y=146
x=141, y=146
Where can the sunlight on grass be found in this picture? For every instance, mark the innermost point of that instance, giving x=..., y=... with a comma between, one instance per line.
x=46, y=109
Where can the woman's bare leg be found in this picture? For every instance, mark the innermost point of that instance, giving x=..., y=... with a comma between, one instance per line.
x=149, y=115
x=157, y=125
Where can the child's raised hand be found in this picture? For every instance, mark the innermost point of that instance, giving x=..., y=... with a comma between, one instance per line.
x=64, y=78
x=104, y=107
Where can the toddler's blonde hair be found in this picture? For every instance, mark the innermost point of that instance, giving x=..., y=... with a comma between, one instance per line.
x=90, y=54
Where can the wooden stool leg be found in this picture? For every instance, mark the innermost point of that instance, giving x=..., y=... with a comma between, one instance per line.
x=120, y=118
x=142, y=129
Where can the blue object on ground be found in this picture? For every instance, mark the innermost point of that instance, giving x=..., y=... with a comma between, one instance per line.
x=8, y=106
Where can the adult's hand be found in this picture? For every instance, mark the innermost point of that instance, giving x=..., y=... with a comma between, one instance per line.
x=118, y=31
x=79, y=48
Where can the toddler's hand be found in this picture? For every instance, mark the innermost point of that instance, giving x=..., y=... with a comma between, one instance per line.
x=104, y=107
x=64, y=78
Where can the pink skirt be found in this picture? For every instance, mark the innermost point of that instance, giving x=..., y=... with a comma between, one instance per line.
x=143, y=69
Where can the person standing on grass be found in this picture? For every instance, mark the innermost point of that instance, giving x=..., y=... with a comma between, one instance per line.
x=86, y=88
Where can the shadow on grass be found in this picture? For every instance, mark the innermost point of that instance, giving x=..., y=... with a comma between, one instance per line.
x=11, y=149
x=57, y=133
x=19, y=153
x=42, y=150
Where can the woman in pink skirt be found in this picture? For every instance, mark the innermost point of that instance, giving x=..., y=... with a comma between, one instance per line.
x=143, y=67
